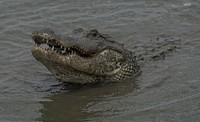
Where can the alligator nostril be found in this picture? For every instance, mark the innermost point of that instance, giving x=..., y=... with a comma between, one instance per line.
x=33, y=35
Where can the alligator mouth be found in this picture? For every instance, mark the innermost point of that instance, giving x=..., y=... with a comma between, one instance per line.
x=51, y=44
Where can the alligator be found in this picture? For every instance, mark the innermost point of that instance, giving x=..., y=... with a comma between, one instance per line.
x=86, y=57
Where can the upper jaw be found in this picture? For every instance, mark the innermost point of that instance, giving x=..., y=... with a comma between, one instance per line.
x=83, y=46
x=56, y=46
x=55, y=43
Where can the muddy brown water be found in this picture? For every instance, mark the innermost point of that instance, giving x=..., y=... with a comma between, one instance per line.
x=168, y=90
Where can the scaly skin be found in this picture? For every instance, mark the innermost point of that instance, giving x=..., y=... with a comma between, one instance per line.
x=84, y=56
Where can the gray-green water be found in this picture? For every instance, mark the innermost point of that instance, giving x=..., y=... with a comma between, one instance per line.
x=167, y=91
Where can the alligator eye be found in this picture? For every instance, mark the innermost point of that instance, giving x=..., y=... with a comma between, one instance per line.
x=94, y=33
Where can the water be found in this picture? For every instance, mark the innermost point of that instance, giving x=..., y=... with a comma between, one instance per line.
x=168, y=90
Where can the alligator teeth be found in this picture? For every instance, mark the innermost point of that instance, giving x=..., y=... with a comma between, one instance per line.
x=45, y=34
x=62, y=52
x=53, y=48
x=61, y=47
x=65, y=49
x=47, y=41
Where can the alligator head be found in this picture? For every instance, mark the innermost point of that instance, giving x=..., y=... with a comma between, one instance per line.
x=83, y=56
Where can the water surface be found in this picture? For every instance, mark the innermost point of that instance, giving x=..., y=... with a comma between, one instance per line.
x=167, y=90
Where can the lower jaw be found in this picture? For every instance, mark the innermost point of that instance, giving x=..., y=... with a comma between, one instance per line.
x=45, y=56
x=63, y=73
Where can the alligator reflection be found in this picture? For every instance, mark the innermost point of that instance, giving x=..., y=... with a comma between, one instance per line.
x=76, y=103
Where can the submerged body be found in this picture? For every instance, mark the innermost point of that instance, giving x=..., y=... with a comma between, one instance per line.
x=84, y=56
